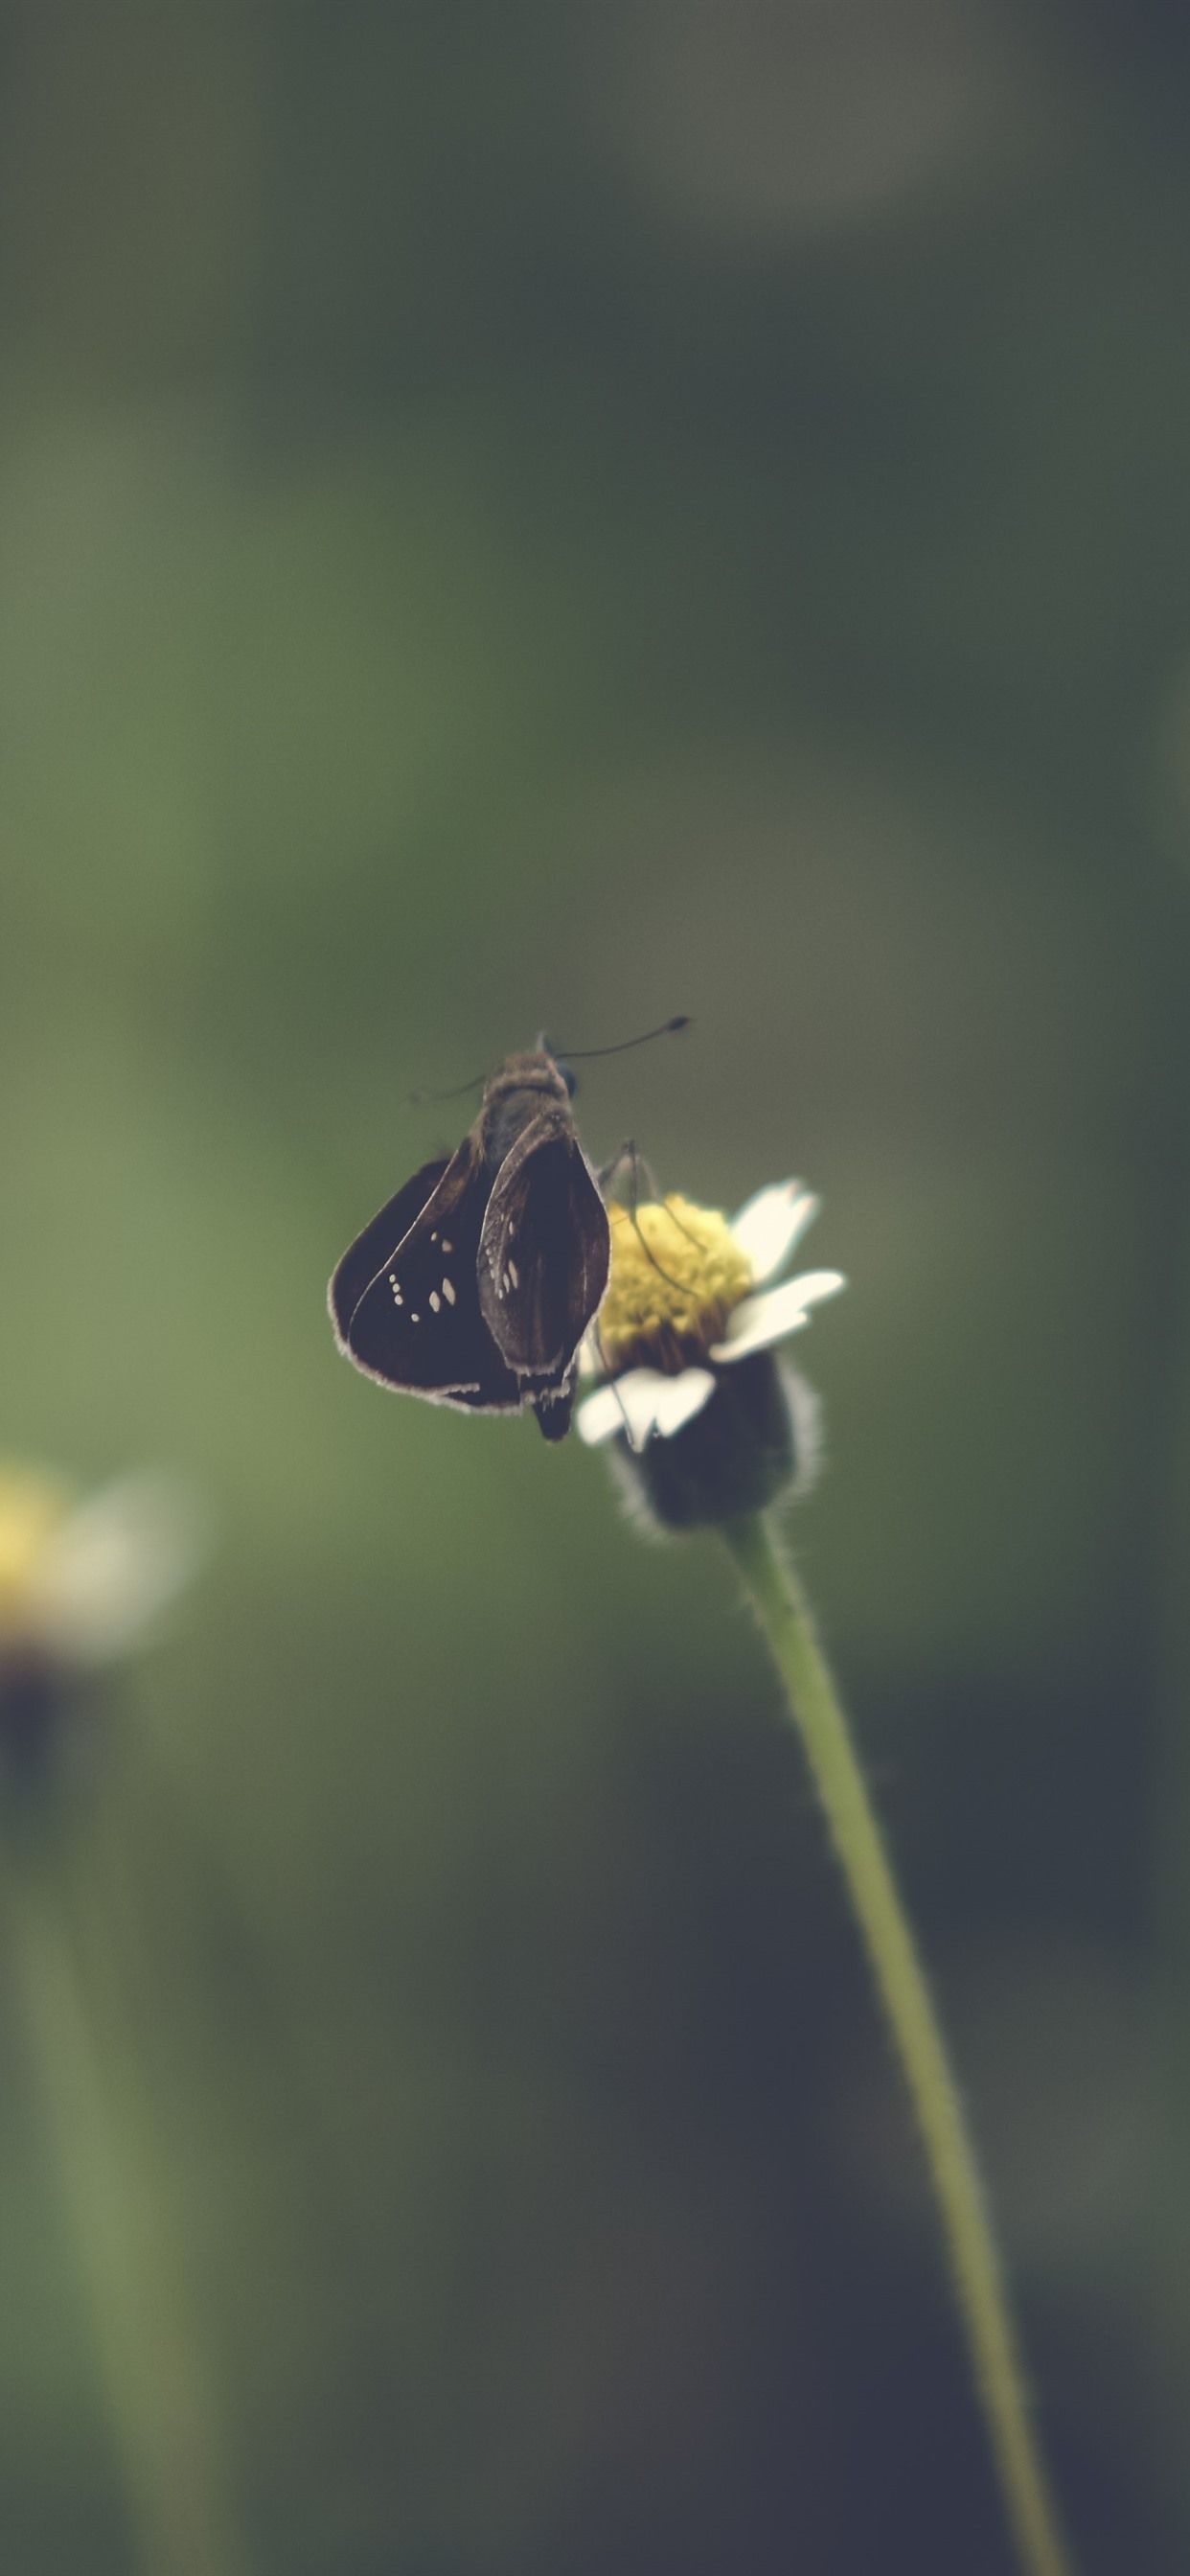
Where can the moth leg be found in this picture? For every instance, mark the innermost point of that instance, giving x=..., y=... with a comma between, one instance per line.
x=682, y=1229
x=606, y=1367
x=627, y=1154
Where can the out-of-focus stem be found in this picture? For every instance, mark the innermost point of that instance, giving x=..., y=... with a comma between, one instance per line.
x=156, y=2399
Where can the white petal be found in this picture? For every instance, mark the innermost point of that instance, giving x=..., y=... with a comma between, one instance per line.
x=590, y=1359
x=680, y=1398
x=599, y=1417
x=114, y=1563
x=757, y=1321
x=771, y=1224
x=644, y=1401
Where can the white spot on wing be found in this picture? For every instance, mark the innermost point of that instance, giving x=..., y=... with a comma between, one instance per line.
x=514, y=1274
x=448, y=1292
x=435, y=1299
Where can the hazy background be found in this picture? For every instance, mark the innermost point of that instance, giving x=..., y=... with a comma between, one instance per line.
x=520, y=516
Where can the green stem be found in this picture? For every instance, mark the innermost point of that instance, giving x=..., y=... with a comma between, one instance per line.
x=783, y=1613
x=156, y=2401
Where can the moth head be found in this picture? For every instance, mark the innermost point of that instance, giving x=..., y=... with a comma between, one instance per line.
x=564, y=1071
x=536, y=1070
x=553, y=1059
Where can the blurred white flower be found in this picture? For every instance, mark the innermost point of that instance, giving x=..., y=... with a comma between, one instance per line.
x=82, y=1582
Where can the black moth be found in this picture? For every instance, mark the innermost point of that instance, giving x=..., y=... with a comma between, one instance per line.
x=476, y=1284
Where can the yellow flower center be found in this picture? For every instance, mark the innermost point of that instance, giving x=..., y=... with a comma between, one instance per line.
x=31, y=1507
x=677, y=1271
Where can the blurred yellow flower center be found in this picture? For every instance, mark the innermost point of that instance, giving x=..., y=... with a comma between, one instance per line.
x=677, y=1271
x=31, y=1508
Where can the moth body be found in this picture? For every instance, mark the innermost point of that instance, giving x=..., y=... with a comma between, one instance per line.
x=475, y=1284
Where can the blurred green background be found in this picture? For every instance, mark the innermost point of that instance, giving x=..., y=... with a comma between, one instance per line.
x=518, y=516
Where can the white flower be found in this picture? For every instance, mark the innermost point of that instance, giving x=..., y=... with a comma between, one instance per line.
x=82, y=1582
x=691, y=1295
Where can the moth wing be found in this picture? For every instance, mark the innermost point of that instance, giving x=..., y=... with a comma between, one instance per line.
x=370, y=1251
x=544, y=1252
x=404, y=1299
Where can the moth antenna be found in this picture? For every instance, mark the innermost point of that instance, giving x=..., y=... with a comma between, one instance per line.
x=668, y=1028
x=422, y=1098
